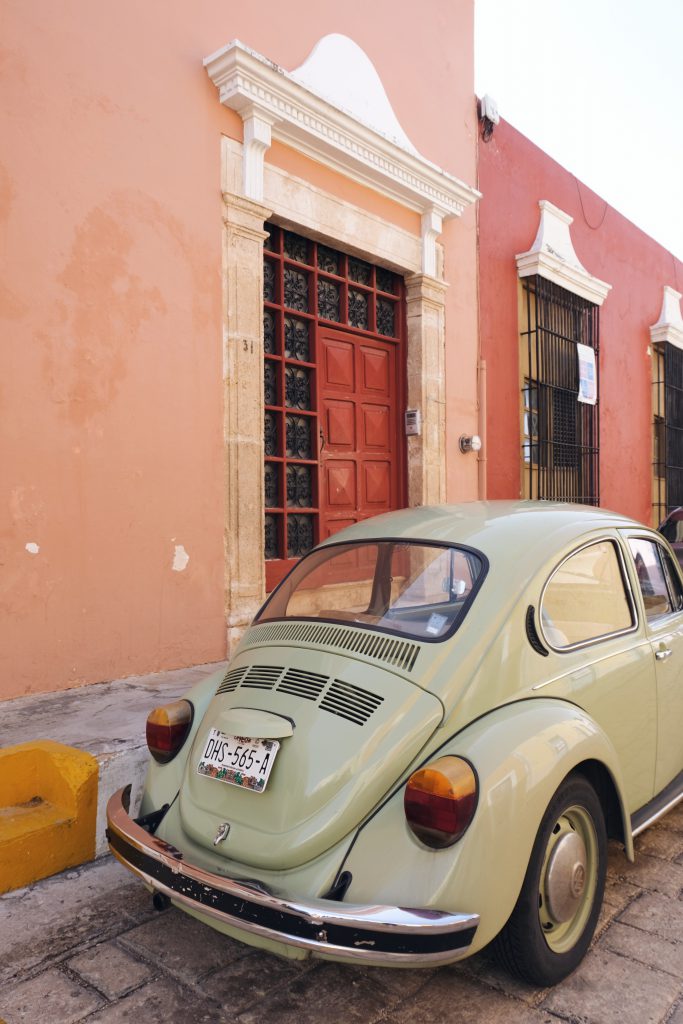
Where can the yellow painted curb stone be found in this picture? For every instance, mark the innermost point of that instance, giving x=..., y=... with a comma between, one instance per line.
x=48, y=807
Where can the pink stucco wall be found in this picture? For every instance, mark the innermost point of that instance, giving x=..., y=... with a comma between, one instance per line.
x=514, y=175
x=110, y=297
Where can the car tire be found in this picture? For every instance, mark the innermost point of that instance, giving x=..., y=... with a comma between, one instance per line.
x=552, y=924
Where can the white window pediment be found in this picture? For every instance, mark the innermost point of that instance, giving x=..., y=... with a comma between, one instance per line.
x=552, y=256
x=669, y=327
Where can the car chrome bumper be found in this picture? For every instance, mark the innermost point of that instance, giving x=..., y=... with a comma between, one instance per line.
x=371, y=934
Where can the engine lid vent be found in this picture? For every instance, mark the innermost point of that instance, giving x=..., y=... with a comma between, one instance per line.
x=308, y=685
x=350, y=702
x=231, y=680
x=379, y=646
x=262, y=677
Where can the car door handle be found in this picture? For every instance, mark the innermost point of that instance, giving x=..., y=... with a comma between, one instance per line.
x=664, y=654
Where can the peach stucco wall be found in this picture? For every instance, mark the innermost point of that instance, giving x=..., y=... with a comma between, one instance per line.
x=110, y=296
x=514, y=175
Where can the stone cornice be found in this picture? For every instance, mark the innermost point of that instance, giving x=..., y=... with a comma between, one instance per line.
x=669, y=327
x=258, y=89
x=425, y=288
x=244, y=211
x=552, y=256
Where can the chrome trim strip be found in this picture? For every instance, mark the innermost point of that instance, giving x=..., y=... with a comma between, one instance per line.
x=395, y=922
x=659, y=814
x=605, y=657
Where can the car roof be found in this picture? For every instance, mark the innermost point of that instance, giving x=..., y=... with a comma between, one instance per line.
x=505, y=531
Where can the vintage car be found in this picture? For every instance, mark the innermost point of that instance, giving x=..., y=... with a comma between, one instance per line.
x=424, y=741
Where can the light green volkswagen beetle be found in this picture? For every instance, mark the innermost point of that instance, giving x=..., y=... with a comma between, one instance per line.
x=424, y=741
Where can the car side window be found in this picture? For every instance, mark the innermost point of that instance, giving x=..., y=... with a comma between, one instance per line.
x=586, y=598
x=674, y=579
x=651, y=577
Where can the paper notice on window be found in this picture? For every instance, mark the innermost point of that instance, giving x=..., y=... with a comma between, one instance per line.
x=588, y=382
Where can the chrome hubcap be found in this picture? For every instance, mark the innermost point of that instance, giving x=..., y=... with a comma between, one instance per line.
x=566, y=877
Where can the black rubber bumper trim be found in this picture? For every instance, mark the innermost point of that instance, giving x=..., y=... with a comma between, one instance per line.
x=283, y=923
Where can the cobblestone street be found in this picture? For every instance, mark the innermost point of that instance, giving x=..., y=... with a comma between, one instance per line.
x=87, y=946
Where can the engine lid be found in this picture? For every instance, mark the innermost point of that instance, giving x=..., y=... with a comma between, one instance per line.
x=341, y=732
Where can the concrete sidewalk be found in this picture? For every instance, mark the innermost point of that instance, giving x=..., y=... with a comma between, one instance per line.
x=106, y=720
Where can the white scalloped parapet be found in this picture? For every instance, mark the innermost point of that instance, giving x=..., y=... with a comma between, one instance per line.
x=334, y=109
x=552, y=256
x=343, y=74
x=669, y=327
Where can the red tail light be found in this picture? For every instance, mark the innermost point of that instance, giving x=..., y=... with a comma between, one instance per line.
x=440, y=801
x=167, y=729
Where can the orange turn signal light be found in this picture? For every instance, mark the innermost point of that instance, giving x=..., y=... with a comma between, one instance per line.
x=168, y=728
x=440, y=800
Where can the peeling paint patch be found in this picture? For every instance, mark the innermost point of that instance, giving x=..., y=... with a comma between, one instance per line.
x=180, y=558
x=33, y=548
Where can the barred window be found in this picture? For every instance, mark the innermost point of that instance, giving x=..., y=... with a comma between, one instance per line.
x=560, y=435
x=667, y=430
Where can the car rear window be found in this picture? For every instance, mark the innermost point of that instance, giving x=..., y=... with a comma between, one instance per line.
x=417, y=590
x=586, y=598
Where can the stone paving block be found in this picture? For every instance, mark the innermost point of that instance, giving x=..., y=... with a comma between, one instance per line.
x=619, y=894
x=183, y=946
x=609, y=989
x=249, y=979
x=485, y=969
x=659, y=842
x=111, y=970
x=677, y=1016
x=645, y=947
x=656, y=914
x=616, y=856
x=47, y=920
x=161, y=1002
x=673, y=820
x=452, y=997
x=607, y=914
x=52, y=996
x=653, y=874
x=399, y=983
x=329, y=992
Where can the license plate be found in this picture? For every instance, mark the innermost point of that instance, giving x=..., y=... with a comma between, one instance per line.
x=240, y=760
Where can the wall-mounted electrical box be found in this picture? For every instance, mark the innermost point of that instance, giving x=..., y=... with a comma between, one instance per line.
x=413, y=422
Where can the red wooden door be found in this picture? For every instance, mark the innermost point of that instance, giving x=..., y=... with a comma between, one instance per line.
x=358, y=397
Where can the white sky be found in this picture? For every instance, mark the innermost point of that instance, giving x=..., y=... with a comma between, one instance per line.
x=598, y=85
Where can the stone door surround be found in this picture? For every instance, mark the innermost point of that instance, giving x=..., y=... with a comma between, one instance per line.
x=274, y=103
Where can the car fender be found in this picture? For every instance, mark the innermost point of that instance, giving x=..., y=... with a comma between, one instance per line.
x=162, y=781
x=520, y=752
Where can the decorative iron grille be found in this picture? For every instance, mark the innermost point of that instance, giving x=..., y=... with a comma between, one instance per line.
x=667, y=404
x=560, y=443
x=306, y=283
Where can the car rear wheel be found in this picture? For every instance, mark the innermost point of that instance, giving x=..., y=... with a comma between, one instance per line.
x=555, y=916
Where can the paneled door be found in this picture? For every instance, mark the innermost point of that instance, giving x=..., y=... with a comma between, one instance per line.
x=358, y=397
